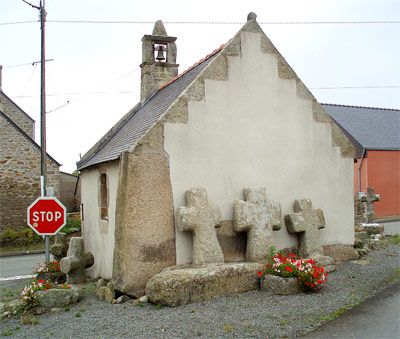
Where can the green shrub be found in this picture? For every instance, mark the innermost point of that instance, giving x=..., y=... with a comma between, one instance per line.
x=23, y=237
x=72, y=225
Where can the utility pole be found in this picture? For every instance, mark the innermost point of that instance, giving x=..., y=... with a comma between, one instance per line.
x=43, y=167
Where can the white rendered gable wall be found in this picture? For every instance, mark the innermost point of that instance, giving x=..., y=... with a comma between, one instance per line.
x=99, y=234
x=253, y=130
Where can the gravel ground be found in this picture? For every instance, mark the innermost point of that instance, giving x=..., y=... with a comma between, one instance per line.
x=251, y=314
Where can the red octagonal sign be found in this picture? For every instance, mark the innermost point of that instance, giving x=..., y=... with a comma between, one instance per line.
x=46, y=215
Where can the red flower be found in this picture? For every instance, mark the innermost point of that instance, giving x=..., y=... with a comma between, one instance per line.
x=40, y=281
x=260, y=274
x=289, y=269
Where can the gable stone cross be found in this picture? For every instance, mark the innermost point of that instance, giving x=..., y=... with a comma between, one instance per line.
x=201, y=218
x=306, y=221
x=369, y=199
x=259, y=217
x=76, y=262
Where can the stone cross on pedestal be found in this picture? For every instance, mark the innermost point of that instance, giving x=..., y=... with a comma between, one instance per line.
x=259, y=217
x=76, y=262
x=60, y=247
x=201, y=218
x=306, y=221
x=369, y=199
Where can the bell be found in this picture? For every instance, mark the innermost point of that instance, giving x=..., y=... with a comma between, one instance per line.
x=160, y=53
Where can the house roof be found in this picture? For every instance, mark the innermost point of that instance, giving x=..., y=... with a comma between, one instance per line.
x=19, y=108
x=368, y=128
x=142, y=117
x=24, y=135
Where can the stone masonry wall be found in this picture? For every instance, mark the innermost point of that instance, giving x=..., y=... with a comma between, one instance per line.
x=20, y=176
x=9, y=108
x=68, y=197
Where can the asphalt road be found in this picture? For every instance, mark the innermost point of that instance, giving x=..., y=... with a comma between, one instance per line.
x=13, y=269
x=378, y=317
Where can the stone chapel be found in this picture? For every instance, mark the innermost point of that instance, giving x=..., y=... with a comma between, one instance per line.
x=238, y=118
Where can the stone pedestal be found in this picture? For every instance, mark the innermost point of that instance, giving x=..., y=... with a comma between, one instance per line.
x=179, y=286
x=279, y=285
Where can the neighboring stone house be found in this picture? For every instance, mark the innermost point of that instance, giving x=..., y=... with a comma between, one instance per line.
x=238, y=118
x=20, y=164
x=375, y=132
x=70, y=191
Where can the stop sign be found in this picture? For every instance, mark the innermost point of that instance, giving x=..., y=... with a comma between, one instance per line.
x=46, y=215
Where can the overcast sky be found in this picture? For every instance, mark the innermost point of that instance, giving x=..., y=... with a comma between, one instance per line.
x=96, y=66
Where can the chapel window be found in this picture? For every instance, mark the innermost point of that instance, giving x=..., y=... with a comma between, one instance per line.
x=103, y=197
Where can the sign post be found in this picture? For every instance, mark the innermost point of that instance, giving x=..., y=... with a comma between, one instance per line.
x=46, y=216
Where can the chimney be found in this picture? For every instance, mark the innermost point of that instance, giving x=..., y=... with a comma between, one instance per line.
x=158, y=60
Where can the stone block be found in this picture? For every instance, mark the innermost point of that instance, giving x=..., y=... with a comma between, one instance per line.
x=144, y=230
x=123, y=299
x=279, y=285
x=58, y=297
x=340, y=252
x=180, y=286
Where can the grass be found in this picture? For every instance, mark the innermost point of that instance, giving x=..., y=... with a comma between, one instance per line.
x=228, y=328
x=394, y=239
x=337, y=313
x=78, y=314
x=8, y=294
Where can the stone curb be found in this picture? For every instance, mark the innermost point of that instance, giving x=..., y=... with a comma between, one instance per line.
x=12, y=254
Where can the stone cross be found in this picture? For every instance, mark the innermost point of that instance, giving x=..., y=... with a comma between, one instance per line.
x=369, y=199
x=259, y=217
x=60, y=247
x=306, y=221
x=76, y=262
x=201, y=218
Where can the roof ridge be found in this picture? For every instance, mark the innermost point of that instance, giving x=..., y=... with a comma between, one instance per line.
x=368, y=107
x=215, y=51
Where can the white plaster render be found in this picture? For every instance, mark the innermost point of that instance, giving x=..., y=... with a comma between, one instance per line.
x=99, y=234
x=253, y=130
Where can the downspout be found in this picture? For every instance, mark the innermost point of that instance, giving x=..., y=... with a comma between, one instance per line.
x=359, y=169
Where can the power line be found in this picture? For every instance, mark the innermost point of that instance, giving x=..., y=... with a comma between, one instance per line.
x=344, y=22
x=357, y=87
x=130, y=92
x=33, y=63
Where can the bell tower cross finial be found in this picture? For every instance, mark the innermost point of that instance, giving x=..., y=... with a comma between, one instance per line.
x=158, y=60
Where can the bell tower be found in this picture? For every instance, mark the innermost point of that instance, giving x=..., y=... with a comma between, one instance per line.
x=158, y=60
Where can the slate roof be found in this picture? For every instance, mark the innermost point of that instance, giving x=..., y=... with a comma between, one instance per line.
x=26, y=136
x=368, y=127
x=141, y=118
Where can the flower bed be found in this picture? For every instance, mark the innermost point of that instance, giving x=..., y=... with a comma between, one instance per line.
x=29, y=293
x=51, y=272
x=310, y=276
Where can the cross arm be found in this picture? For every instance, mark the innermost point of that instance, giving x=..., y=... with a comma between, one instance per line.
x=243, y=215
x=295, y=223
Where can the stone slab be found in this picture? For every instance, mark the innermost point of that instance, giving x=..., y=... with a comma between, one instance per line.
x=58, y=297
x=144, y=230
x=179, y=286
x=279, y=285
x=340, y=252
